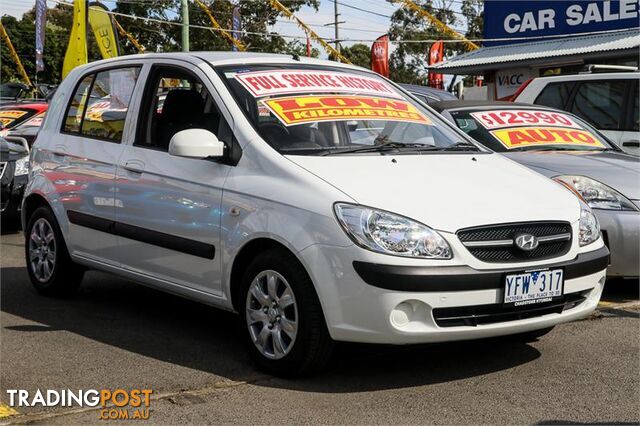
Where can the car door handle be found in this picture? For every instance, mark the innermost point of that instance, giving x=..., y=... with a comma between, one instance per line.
x=59, y=151
x=134, y=166
x=633, y=143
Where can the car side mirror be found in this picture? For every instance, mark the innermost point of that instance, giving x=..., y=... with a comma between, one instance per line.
x=196, y=143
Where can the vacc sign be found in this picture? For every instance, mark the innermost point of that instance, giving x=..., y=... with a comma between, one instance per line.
x=517, y=19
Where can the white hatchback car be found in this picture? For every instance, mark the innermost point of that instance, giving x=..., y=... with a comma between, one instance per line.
x=234, y=179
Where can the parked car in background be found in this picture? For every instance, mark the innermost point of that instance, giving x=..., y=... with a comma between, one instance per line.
x=607, y=101
x=428, y=94
x=14, y=169
x=564, y=147
x=25, y=133
x=12, y=114
x=240, y=185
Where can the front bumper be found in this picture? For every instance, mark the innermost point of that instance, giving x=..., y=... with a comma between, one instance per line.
x=621, y=231
x=372, y=307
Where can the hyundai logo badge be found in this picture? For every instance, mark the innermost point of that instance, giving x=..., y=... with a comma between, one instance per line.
x=527, y=242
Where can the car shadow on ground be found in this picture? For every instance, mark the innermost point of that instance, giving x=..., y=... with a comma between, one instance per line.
x=9, y=226
x=168, y=328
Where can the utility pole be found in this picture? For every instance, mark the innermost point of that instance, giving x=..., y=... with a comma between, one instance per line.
x=185, y=25
x=335, y=22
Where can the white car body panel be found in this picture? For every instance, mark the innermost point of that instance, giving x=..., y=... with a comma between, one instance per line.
x=290, y=199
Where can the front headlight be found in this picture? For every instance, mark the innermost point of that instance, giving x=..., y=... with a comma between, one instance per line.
x=597, y=194
x=589, y=226
x=22, y=166
x=388, y=233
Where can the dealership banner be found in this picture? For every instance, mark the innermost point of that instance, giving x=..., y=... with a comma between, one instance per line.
x=235, y=26
x=41, y=24
x=515, y=19
x=380, y=55
x=77, y=48
x=103, y=30
x=436, y=54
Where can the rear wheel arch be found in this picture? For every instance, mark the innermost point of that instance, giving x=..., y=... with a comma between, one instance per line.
x=30, y=204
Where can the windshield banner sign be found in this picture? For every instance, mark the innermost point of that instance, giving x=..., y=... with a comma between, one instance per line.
x=309, y=109
x=539, y=136
x=9, y=116
x=282, y=82
x=514, y=117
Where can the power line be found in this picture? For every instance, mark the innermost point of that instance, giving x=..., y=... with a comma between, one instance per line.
x=271, y=34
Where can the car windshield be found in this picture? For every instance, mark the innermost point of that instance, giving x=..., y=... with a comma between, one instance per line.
x=306, y=110
x=528, y=129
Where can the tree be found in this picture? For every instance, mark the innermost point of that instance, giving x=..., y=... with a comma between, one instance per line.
x=359, y=54
x=256, y=18
x=473, y=11
x=408, y=61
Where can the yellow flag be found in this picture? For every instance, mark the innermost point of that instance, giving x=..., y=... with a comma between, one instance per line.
x=102, y=27
x=77, y=48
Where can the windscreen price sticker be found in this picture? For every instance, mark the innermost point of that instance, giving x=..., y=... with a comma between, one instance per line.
x=9, y=116
x=309, y=109
x=283, y=82
x=516, y=117
x=538, y=136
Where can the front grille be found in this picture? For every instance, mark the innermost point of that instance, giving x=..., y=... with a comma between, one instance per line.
x=472, y=316
x=495, y=243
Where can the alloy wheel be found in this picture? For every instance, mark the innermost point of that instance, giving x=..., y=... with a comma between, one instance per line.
x=42, y=250
x=272, y=314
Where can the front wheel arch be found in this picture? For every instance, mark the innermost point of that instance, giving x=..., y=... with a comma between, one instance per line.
x=243, y=258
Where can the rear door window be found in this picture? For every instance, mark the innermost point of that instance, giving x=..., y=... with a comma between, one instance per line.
x=601, y=103
x=555, y=95
x=108, y=103
x=99, y=106
x=75, y=109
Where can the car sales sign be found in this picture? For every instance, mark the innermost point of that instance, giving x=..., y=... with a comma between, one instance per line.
x=281, y=82
x=522, y=19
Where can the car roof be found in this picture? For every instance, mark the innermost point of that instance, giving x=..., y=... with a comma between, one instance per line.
x=219, y=58
x=423, y=89
x=462, y=104
x=591, y=76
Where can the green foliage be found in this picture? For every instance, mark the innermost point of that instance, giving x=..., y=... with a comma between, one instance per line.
x=359, y=54
x=408, y=61
x=473, y=11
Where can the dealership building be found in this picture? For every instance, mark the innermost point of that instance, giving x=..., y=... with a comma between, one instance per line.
x=524, y=40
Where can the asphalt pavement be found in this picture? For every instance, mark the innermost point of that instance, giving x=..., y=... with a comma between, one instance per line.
x=116, y=334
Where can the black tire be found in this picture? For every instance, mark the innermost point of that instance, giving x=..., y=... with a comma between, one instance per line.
x=312, y=346
x=530, y=336
x=65, y=276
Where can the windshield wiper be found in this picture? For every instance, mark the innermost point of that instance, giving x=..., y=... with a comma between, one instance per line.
x=384, y=146
x=461, y=146
x=388, y=144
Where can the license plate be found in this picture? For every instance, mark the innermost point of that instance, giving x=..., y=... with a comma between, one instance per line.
x=533, y=287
